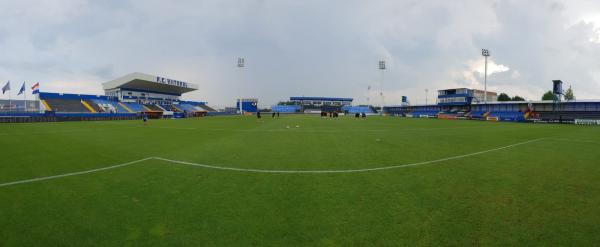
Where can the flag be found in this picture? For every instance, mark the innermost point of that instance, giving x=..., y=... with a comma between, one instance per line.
x=35, y=88
x=22, y=90
x=6, y=87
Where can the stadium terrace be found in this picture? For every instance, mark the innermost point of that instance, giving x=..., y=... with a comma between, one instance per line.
x=135, y=95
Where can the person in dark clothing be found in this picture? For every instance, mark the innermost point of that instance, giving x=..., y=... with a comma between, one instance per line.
x=273, y=115
x=277, y=114
x=258, y=114
x=145, y=118
x=357, y=115
x=364, y=115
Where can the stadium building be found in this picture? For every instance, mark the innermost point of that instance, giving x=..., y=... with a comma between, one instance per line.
x=147, y=89
x=321, y=101
x=126, y=97
x=461, y=103
x=463, y=96
x=314, y=104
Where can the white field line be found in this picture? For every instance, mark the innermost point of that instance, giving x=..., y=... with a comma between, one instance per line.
x=265, y=170
x=176, y=128
x=74, y=173
x=348, y=170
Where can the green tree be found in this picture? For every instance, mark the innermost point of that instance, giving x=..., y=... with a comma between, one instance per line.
x=503, y=97
x=549, y=96
x=569, y=94
x=518, y=98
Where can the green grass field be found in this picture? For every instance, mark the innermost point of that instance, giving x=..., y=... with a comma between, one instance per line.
x=467, y=183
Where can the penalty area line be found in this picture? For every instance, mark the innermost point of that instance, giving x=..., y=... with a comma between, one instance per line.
x=73, y=173
x=346, y=170
x=265, y=170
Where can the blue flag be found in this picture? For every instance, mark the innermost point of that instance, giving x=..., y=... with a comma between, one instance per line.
x=22, y=90
x=6, y=87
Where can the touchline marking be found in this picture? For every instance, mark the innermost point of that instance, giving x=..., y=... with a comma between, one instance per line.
x=265, y=170
x=74, y=173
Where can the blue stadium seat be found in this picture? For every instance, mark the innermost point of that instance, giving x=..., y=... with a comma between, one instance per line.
x=115, y=104
x=508, y=115
x=134, y=106
x=357, y=109
x=285, y=108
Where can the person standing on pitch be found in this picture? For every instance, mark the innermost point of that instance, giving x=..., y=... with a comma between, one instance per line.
x=145, y=118
x=258, y=114
x=273, y=115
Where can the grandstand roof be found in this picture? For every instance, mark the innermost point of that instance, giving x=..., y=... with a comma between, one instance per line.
x=153, y=83
x=536, y=102
x=321, y=98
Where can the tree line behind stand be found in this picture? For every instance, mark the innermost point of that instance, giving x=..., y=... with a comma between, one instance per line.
x=569, y=95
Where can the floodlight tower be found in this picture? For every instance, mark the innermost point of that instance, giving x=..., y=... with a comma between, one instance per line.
x=381, y=68
x=368, y=95
x=485, y=53
x=426, y=92
x=240, y=64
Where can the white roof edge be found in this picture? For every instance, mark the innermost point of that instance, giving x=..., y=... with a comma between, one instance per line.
x=136, y=75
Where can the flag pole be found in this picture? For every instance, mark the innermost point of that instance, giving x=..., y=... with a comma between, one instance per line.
x=9, y=99
x=25, y=95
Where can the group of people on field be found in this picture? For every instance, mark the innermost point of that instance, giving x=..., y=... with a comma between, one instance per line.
x=359, y=115
x=273, y=115
x=331, y=114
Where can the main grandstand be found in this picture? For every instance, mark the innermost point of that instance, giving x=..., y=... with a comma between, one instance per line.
x=125, y=98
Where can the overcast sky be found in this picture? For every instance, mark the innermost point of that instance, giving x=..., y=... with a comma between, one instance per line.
x=310, y=48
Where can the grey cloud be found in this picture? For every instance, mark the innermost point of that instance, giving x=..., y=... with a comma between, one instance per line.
x=328, y=48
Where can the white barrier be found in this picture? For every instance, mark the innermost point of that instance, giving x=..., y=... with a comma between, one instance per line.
x=587, y=121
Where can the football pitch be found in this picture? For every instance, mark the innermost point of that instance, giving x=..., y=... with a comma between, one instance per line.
x=298, y=180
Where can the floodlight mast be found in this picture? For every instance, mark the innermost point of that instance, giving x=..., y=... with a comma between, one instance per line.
x=426, y=92
x=368, y=95
x=381, y=68
x=485, y=53
x=240, y=64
